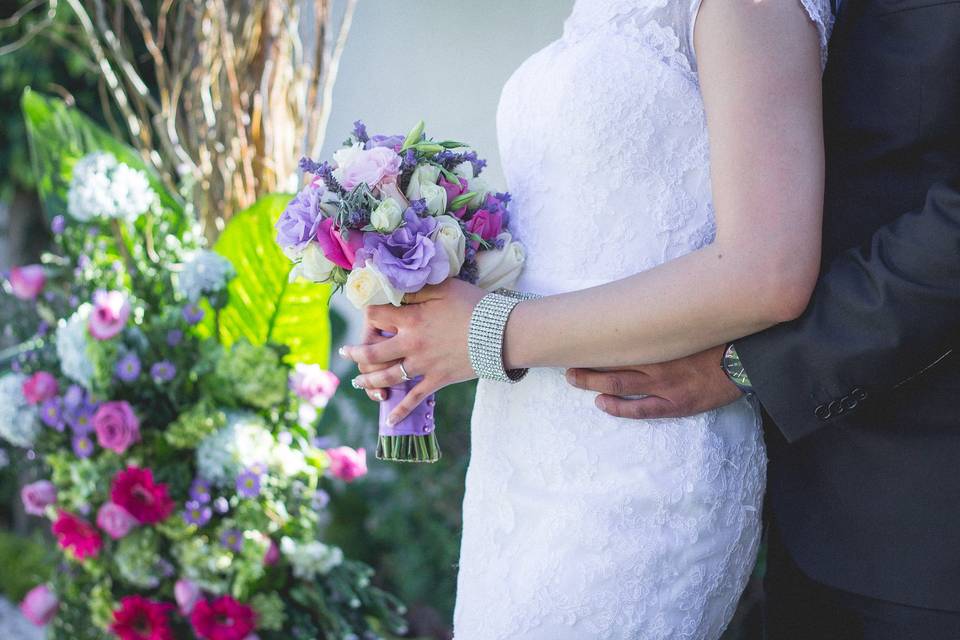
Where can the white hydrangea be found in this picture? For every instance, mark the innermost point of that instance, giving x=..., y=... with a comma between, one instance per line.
x=18, y=420
x=286, y=460
x=242, y=443
x=310, y=559
x=103, y=187
x=203, y=272
x=72, y=346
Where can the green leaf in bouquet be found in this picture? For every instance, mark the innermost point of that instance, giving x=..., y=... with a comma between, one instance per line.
x=59, y=135
x=264, y=306
x=414, y=136
x=462, y=200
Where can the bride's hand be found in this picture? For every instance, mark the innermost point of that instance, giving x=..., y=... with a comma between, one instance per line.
x=430, y=341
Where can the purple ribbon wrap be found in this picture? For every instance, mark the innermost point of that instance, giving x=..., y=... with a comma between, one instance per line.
x=420, y=422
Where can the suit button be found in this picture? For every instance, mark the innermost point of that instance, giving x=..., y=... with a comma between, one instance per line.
x=822, y=412
x=859, y=394
x=836, y=408
x=849, y=403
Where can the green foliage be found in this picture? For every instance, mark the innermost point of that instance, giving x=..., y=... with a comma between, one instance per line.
x=264, y=306
x=26, y=563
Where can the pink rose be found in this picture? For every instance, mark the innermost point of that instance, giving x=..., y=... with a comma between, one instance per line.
x=314, y=384
x=37, y=496
x=27, y=282
x=454, y=191
x=40, y=605
x=116, y=425
x=110, y=312
x=337, y=250
x=371, y=166
x=347, y=464
x=40, y=387
x=187, y=593
x=390, y=189
x=486, y=224
x=272, y=555
x=115, y=520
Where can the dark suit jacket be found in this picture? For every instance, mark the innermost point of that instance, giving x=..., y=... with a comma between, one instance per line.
x=863, y=391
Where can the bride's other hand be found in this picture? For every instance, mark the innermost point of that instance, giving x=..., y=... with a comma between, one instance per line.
x=430, y=341
x=675, y=389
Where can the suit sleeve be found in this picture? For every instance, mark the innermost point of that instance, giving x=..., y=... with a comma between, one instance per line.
x=880, y=315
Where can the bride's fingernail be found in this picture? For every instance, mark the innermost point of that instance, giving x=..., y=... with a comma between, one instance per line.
x=343, y=352
x=378, y=395
x=356, y=383
x=391, y=420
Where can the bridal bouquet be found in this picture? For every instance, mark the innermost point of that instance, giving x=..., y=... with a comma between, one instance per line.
x=178, y=462
x=389, y=216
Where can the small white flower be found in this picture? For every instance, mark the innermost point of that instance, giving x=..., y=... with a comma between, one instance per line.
x=387, y=216
x=72, y=346
x=103, y=187
x=18, y=420
x=204, y=272
x=310, y=559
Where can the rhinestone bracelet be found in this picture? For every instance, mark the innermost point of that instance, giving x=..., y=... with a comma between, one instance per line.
x=485, y=340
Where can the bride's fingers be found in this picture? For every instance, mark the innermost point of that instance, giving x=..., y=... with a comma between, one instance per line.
x=381, y=379
x=373, y=354
x=641, y=409
x=614, y=383
x=416, y=395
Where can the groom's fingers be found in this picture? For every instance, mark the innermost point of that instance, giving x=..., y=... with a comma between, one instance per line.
x=641, y=409
x=614, y=383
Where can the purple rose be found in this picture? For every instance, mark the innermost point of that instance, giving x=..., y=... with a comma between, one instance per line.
x=454, y=191
x=37, y=496
x=486, y=224
x=337, y=250
x=298, y=223
x=115, y=520
x=116, y=425
x=408, y=258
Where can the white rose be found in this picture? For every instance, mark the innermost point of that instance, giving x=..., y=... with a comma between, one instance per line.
x=367, y=286
x=424, y=174
x=387, y=216
x=436, y=198
x=450, y=237
x=499, y=268
x=464, y=170
x=480, y=190
x=313, y=265
x=344, y=157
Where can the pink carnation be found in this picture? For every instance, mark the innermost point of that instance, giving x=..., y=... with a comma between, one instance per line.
x=27, y=282
x=314, y=384
x=40, y=605
x=141, y=619
x=40, y=387
x=115, y=520
x=116, y=425
x=110, y=312
x=37, y=496
x=347, y=464
x=76, y=535
x=147, y=501
x=222, y=619
x=371, y=166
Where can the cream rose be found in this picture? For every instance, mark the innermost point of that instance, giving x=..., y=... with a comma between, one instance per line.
x=313, y=265
x=499, y=268
x=367, y=286
x=450, y=237
x=387, y=216
x=424, y=174
x=435, y=197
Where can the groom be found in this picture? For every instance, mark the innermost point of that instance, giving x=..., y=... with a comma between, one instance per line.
x=862, y=393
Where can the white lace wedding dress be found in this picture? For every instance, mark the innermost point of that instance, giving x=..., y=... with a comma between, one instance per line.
x=578, y=525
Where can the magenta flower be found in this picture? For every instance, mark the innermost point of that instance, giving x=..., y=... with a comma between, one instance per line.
x=110, y=312
x=454, y=191
x=40, y=387
x=486, y=224
x=40, y=605
x=347, y=464
x=116, y=425
x=135, y=490
x=337, y=250
x=272, y=556
x=314, y=384
x=37, y=496
x=28, y=281
x=115, y=520
x=76, y=535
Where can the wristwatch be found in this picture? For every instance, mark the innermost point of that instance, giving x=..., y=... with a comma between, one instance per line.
x=734, y=369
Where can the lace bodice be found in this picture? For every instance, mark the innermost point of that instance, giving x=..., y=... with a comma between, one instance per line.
x=578, y=525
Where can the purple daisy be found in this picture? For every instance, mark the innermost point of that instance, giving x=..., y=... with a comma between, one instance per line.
x=248, y=484
x=193, y=314
x=320, y=499
x=128, y=368
x=196, y=513
x=232, y=539
x=200, y=491
x=51, y=412
x=80, y=418
x=174, y=337
x=82, y=446
x=163, y=371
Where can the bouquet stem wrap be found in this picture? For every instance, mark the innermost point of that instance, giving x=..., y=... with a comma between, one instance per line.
x=413, y=439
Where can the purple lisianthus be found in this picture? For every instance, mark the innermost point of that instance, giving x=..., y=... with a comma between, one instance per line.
x=82, y=446
x=298, y=223
x=51, y=413
x=192, y=313
x=392, y=142
x=128, y=367
x=196, y=513
x=163, y=371
x=248, y=484
x=408, y=258
x=232, y=539
x=200, y=491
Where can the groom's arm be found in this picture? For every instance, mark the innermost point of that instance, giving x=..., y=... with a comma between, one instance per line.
x=879, y=316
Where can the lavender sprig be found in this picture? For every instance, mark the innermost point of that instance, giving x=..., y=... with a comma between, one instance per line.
x=360, y=131
x=324, y=171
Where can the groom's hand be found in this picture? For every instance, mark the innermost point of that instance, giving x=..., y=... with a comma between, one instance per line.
x=674, y=389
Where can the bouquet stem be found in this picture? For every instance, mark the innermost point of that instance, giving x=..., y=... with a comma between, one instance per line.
x=413, y=439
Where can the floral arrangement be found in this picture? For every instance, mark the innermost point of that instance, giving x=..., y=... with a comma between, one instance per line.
x=181, y=472
x=389, y=216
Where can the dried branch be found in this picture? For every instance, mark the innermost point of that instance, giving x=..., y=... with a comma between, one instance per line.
x=34, y=30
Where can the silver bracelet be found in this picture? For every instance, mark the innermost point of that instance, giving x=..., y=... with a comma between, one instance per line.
x=485, y=340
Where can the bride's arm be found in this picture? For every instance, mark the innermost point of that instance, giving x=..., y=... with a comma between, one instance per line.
x=759, y=66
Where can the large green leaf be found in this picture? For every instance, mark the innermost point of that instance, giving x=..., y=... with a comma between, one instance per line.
x=59, y=136
x=264, y=306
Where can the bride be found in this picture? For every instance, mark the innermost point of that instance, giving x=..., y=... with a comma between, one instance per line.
x=666, y=162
